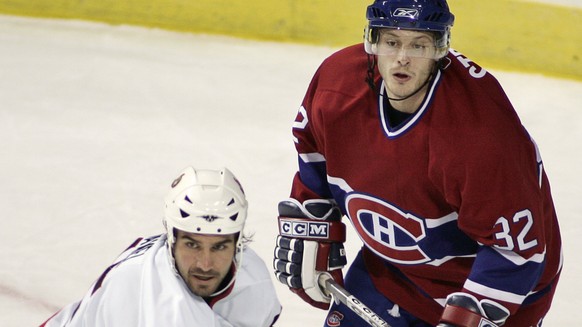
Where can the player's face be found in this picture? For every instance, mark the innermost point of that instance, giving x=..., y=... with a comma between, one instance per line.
x=203, y=260
x=405, y=61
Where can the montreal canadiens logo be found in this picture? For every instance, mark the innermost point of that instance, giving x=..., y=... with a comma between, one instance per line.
x=335, y=319
x=386, y=230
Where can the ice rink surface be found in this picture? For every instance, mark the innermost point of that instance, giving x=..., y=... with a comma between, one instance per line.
x=97, y=120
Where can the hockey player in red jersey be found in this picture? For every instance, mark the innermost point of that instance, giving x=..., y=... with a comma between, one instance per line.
x=422, y=151
x=193, y=275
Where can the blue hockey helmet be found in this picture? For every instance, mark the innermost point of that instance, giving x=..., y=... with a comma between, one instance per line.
x=418, y=15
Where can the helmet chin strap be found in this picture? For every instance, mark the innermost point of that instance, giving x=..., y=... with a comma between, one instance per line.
x=237, y=264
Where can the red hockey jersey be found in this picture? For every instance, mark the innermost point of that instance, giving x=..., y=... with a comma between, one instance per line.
x=454, y=198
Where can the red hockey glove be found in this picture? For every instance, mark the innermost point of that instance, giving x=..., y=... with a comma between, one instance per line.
x=310, y=244
x=464, y=310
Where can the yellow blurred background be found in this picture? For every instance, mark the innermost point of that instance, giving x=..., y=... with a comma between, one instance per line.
x=512, y=35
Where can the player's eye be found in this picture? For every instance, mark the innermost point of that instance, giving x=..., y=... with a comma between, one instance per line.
x=191, y=245
x=220, y=247
x=392, y=44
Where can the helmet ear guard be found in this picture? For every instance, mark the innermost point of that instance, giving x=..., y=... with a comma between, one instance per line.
x=371, y=39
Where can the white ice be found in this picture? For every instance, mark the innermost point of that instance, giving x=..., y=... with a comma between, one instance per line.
x=96, y=121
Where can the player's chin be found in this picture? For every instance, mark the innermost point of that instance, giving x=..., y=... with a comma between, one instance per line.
x=399, y=91
x=202, y=288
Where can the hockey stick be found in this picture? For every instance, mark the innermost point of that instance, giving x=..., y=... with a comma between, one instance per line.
x=340, y=294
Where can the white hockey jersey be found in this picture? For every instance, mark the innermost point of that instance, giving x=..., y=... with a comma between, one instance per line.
x=142, y=289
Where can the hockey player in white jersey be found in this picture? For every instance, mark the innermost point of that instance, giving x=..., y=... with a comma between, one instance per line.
x=197, y=274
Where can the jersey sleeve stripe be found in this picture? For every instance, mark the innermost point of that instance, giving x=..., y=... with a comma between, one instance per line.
x=493, y=293
x=518, y=260
x=312, y=157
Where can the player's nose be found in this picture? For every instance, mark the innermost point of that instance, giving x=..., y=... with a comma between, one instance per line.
x=204, y=260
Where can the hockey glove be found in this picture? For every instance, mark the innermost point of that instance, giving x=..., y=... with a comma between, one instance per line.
x=464, y=310
x=310, y=244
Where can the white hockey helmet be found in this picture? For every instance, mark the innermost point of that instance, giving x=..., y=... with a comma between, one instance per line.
x=206, y=201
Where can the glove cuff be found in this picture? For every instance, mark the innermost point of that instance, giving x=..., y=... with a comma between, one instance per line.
x=463, y=309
